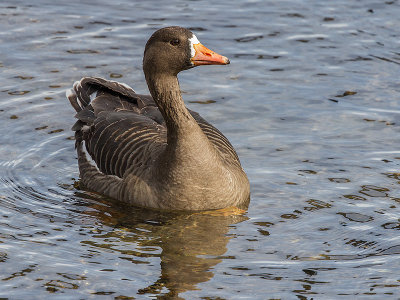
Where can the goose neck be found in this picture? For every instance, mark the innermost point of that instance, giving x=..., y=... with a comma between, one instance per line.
x=166, y=93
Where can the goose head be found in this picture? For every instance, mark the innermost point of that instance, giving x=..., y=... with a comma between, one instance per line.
x=173, y=49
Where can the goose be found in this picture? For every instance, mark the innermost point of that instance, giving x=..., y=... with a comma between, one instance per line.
x=150, y=150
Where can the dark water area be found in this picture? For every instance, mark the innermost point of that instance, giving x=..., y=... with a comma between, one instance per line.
x=311, y=103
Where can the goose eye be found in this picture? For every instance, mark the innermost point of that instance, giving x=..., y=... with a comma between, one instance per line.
x=174, y=42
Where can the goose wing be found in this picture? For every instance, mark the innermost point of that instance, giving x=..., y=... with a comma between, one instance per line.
x=121, y=129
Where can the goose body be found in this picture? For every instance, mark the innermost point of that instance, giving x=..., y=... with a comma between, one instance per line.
x=152, y=151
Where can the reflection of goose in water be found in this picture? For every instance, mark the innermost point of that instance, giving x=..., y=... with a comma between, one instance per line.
x=191, y=244
x=152, y=151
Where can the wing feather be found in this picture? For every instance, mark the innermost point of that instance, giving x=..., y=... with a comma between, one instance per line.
x=123, y=130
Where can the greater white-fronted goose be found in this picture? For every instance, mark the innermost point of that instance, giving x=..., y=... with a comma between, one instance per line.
x=152, y=151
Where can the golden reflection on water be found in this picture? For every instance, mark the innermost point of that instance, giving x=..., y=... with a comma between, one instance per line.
x=191, y=244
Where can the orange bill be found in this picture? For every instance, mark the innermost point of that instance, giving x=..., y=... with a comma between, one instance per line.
x=205, y=56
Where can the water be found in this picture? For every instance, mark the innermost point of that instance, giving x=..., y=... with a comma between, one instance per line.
x=310, y=102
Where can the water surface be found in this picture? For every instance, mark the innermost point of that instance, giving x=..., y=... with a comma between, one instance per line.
x=310, y=102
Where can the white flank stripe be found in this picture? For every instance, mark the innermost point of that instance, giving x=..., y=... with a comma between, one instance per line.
x=89, y=158
x=93, y=95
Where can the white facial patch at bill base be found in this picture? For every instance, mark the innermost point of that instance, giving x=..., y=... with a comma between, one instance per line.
x=193, y=41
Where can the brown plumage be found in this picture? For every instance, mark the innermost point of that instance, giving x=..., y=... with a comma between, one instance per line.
x=151, y=150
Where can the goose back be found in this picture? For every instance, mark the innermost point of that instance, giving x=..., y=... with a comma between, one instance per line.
x=124, y=130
